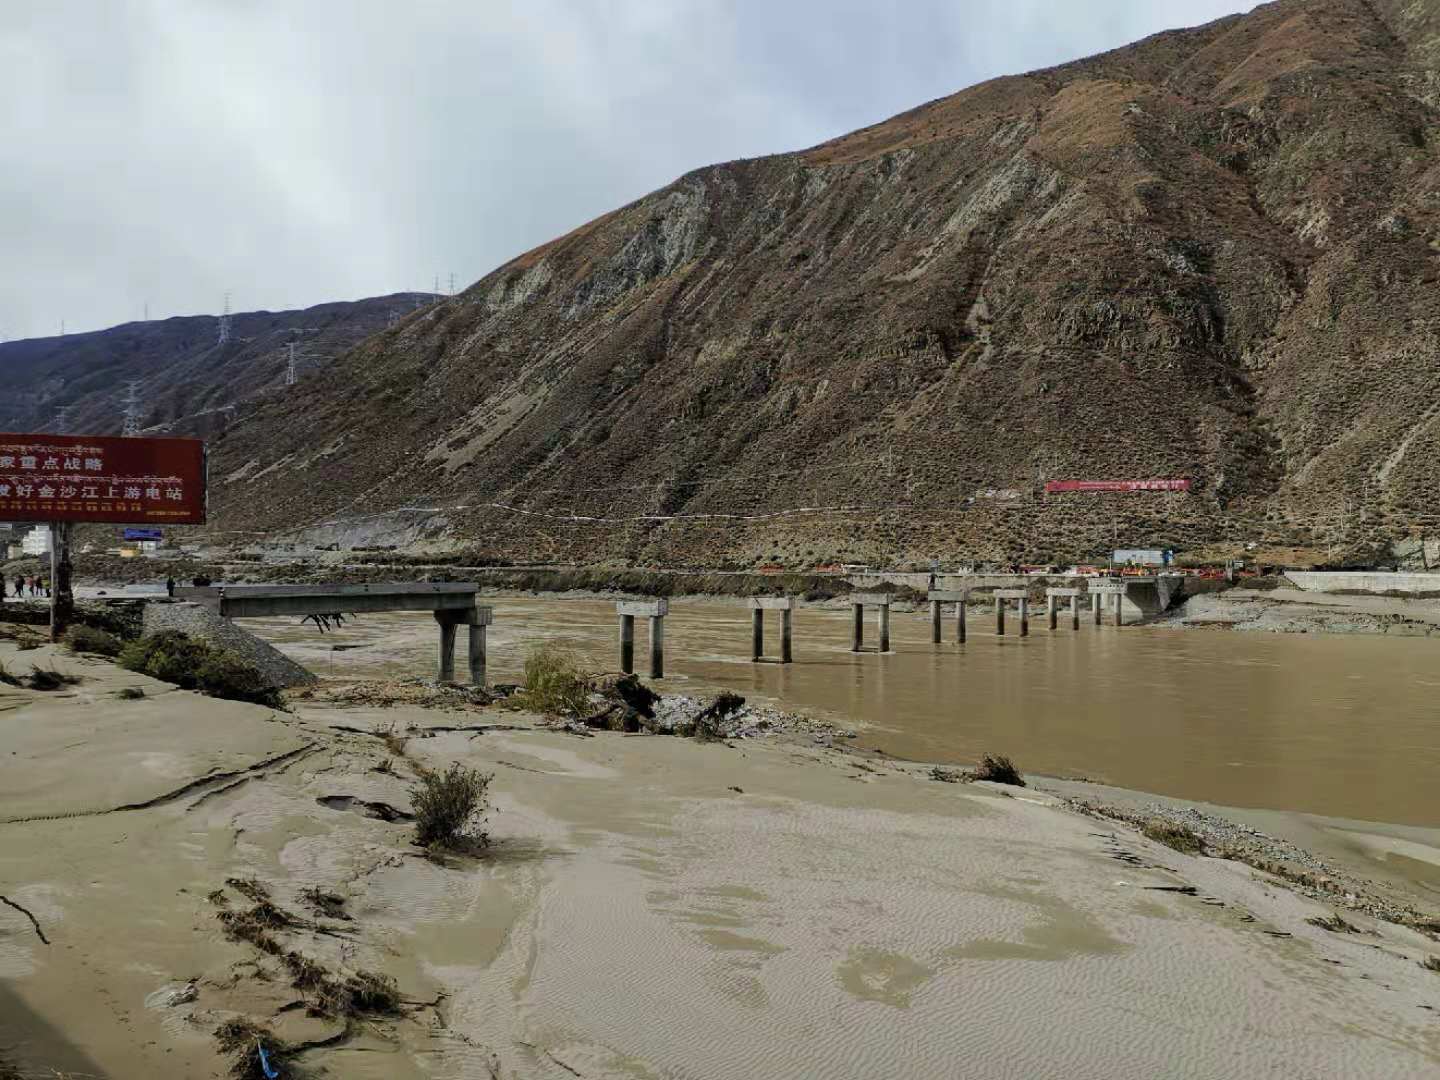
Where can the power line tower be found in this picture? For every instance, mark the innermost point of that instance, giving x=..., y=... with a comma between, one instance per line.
x=293, y=357
x=62, y=419
x=452, y=284
x=132, y=409
x=224, y=328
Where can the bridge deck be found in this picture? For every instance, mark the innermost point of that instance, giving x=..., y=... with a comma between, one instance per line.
x=264, y=601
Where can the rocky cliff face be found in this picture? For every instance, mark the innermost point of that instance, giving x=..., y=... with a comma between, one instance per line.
x=188, y=383
x=1210, y=255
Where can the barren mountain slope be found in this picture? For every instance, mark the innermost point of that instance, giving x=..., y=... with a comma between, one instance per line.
x=187, y=382
x=1209, y=255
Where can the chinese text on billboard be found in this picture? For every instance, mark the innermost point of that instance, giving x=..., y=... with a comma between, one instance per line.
x=102, y=478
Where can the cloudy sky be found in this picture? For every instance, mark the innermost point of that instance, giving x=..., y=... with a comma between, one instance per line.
x=292, y=152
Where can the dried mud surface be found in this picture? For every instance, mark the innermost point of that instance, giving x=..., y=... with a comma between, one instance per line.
x=650, y=906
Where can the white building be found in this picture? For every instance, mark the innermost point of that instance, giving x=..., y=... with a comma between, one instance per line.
x=37, y=541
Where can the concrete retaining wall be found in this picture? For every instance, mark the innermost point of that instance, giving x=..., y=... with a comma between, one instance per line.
x=1363, y=581
x=204, y=625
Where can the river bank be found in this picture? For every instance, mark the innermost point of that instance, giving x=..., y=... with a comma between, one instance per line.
x=777, y=905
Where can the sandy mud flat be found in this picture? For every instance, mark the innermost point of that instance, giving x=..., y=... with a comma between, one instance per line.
x=650, y=907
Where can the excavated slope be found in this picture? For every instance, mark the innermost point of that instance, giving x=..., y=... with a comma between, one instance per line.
x=1209, y=255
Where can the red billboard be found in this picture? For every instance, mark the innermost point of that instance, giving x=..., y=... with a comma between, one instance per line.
x=1059, y=486
x=102, y=478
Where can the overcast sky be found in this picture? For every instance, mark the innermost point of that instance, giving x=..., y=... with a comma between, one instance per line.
x=297, y=151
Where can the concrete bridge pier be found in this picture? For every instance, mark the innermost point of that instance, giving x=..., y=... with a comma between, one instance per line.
x=858, y=603
x=1112, y=593
x=1095, y=606
x=940, y=597
x=655, y=611
x=1052, y=602
x=477, y=619
x=1023, y=600
x=758, y=606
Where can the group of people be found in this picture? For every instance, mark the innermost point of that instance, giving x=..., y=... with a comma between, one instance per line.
x=27, y=586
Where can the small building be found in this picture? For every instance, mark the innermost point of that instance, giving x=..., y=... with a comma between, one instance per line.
x=1142, y=557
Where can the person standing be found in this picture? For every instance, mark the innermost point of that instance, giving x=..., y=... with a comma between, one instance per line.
x=19, y=587
x=170, y=586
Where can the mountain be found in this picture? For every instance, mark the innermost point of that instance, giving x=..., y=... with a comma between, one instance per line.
x=1210, y=256
x=188, y=383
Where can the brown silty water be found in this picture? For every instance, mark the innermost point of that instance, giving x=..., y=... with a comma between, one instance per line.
x=1346, y=726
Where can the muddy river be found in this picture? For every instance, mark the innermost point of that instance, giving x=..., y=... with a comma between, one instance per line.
x=1347, y=726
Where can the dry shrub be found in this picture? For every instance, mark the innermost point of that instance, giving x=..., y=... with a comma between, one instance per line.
x=1334, y=923
x=130, y=693
x=51, y=678
x=449, y=807
x=239, y=1040
x=997, y=769
x=1174, y=835
x=359, y=994
x=555, y=684
x=329, y=904
x=91, y=639
x=1431, y=963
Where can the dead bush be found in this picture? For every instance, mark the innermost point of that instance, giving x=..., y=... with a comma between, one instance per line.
x=1334, y=923
x=1174, y=835
x=329, y=904
x=49, y=678
x=1431, y=963
x=449, y=806
x=554, y=682
x=241, y=1040
x=997, y=769
x=130, y=693
x=91, y=639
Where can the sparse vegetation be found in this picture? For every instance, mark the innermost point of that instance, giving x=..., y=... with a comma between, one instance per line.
x=394, y=742
x=90, y=639
x=329, y=904
x=947, y=776
x=998, y=770
x=1334, y=923
x=240, y=1039
x=1431, y=963
x=130, y=693
x=49, y=678
x=40, y=678
x=190, y=664
x=1174, y=835
x=554, y=682
x=449, y=807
